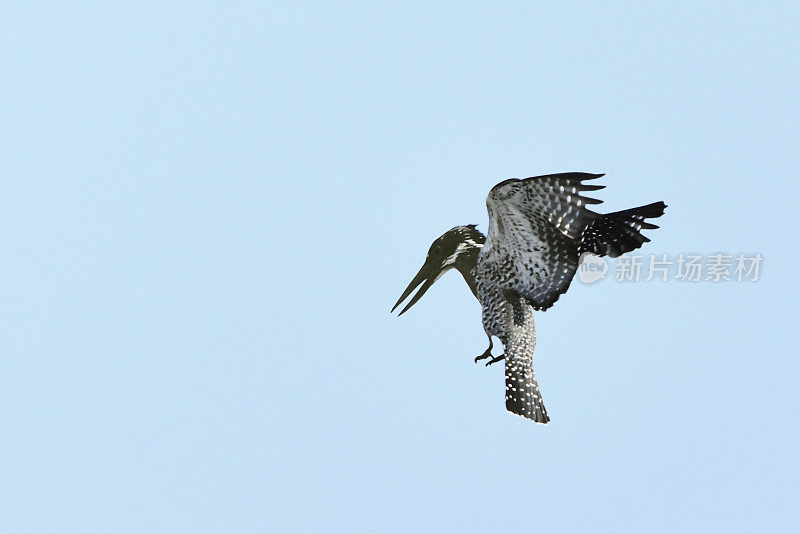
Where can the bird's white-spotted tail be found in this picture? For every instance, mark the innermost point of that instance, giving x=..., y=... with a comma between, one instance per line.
x=522, y=392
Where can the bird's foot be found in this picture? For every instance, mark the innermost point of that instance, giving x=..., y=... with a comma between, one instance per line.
x=496, y=359
x=487, y=354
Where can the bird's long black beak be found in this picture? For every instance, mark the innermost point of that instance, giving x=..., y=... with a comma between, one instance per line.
x=426, y=276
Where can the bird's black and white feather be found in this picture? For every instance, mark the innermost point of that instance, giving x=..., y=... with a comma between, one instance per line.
x=535, y=226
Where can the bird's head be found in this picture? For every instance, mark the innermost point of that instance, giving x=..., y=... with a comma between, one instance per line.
x=457, y=248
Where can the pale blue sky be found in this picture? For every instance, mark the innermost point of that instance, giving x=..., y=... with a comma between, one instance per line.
x=208, y=210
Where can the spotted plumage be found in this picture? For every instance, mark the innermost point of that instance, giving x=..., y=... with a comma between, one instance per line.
x=538, y=229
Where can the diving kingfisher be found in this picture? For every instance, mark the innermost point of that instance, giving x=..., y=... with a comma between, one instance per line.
x=539, y=230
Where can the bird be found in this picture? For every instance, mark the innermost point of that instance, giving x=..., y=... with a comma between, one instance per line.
x=540, y=229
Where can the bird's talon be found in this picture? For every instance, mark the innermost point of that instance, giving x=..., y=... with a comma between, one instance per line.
x=487, y=354
x=496, y=359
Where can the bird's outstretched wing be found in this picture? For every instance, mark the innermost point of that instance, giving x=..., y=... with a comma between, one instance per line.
x=535, y=225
